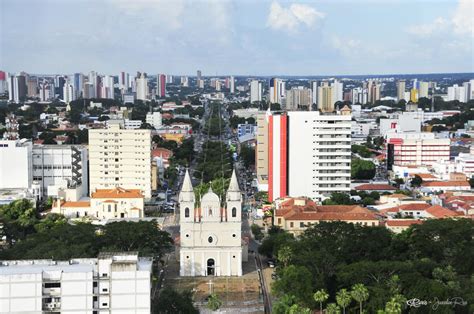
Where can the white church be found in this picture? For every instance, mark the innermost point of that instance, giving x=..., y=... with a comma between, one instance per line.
x=210, y=235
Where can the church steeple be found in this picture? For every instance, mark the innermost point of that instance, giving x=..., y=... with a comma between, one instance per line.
x=234, y=184
x=187, y=191
x=187, y=184
x=234, y=199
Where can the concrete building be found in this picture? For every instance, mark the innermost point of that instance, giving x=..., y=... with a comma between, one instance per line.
x=210, y=236
x=325, y=97
x=405, y=122
x=112, y=283
x=120, y=158
x=255, y=91
x=161, y=85
x=417, y=149
x=244, y=129
x=104, y=204
x=154, y=119
x=17, y=89
x=232, y=85
x=319, y=150
x=424, y=88
x=401, y=87
x=277, y=91
x=277, y=156
x=15, y=164
x=142, y=86
x=314, y=92
x=298, y=98
x=60, y=170
x=261, y=151
x=337, y=90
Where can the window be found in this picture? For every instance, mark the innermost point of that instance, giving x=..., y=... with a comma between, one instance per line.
x=291, y=224
x=109, y=207
x=279, y=221
x=234, y=212
x=234, y=235
x=210, y=239
x=52, y=285
x=186, y=212
x=301, y=224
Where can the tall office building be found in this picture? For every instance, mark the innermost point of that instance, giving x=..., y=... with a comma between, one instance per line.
x=68, y=92
x=32, y=86
x=142, y=86
x=120, y=158
x=17, y=89
x=92, y=80
x=277, y=91
x=298, y=98
x=314, y=92
x=325, y=97
x=401, y=86
x=338, y=90
x=78, y=83
x=112, y=283
x=261, y=150
x=45, y=91
x=309, y=145
x=232, y=85
x=423, y=91
x=123, y=82
x=255, y=91
x=161, y=85
x=199, y=74
x=373, y=89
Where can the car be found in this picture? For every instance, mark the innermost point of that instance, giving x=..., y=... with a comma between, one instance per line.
x=271, y=263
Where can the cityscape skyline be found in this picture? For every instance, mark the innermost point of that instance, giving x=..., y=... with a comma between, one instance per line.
x=264, y=38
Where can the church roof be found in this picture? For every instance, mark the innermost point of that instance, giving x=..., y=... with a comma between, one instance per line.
x=234, y=184
x=210, y=197
x=187, y=185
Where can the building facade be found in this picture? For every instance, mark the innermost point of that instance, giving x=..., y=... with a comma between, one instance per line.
x=15, y=164
x=210, y=235
x=120, y=158
x=111, y=283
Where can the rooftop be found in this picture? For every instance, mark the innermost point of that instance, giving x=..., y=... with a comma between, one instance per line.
x=117, y=193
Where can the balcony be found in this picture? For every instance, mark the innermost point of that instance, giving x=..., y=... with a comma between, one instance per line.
x=51, y=291
x=52, y=306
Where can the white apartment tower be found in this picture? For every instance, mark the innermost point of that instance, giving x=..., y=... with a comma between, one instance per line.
x=120, y=158
x=210, y=235
x=255, y=91
x=319, y=154
x=111, y=283
x=142, y=86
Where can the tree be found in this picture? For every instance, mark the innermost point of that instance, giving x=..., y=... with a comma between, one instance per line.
x=393, y=307
x=282, y=306
x=257, y=232
x=171, y=301
x=247, y=154
x=19, y=218
x=295, y=280
x=214, y=303
x=297, y=309
x=332, y=308
x=360, y=293
x=343, y=299
x=416, y=181
x=284, y=255
x=320, y=296
x=362, y=169
x=339, y=198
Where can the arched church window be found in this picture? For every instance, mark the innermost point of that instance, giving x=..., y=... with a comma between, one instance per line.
x=186, y=212
x=210, y=212
x=234, y=212
x=210, y=239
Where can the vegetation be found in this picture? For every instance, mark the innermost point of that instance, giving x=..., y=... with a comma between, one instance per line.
x=247, y=154
x=362, y=169
x=257, y=232
x=214, y=161
x=214, y=303
x=361, y=150
x=171, y=301
x=377, y=275
x=456, y=121
x=416, y=181
x=52, y=237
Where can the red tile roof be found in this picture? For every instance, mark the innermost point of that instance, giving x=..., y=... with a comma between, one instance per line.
x=117, y=193
x=403, y=222
x=441, y=212
x=375, y=187
x=445, y=183
x=76, y=204
x=325, y=212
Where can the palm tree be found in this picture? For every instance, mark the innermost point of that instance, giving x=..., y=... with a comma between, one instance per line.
x=320, y=296
x=360, y=294
x=214, y=303
x=343, y=299
x=393, y=306
x=332, y=308
x=296, y=309
x=284, y=255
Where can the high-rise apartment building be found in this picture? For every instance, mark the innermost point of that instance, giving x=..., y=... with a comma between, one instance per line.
x=142, y=86
x=120, y=158
x=261, y=150
x=414, y=95
x=184, y=81
x=325, y=97
x=309, y=154
x=423, y=91
x=298, y=98
x=255, y=91
x=154, y=119
x=338, y=90
x=3, y=82
x=232, y=85
x=199, y=74
x=277, y=91
x=32, y=86
x=314, y=92
x=373, y=89
x=68, y=92
x=161, y=85
x=17, y=89
x=78, y=83
x=401, y=87
x=112, y=283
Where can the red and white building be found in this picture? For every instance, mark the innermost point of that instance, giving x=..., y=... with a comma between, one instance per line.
x=161, y=85
x=418, y=149
x=309, y=154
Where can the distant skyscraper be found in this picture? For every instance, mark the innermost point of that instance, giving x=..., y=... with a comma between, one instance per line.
x=45, y=91
x=277, y=90
x=32, y=86
x=169, y=79
x=142, y=86
x=93, y=82
x=108, y=87
x=161, y=85
x=325, y=97
x=414, y=95
x=423, y=89
x=314, y=92
x=255, y=91
x=17, y=88
x=338, y=90
x=200, y=83
x=373, y=91
x=78, y=84
x=232, y=85
x=124, y=82
x=184, y=81
x=68, y=92
x=199, y=74
x=401, y=86
x=3, y=82
x=298, y=98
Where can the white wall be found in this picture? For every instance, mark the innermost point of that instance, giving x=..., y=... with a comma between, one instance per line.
x=15, y=165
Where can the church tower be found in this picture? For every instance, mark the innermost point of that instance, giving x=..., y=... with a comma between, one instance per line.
x=210, y=235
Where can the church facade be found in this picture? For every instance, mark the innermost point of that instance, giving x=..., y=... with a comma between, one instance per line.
x=210, y=234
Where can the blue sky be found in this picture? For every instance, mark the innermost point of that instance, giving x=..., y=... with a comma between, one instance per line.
x=240, y=37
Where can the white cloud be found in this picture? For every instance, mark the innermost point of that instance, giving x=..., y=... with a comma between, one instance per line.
x=460, y=23
x=346, y=46
x=292, y=17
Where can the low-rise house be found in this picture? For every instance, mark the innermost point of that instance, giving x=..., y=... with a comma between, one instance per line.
x=399, y=225
x=296, y=214
x=104, y=204
x=441, y=186
x=419, y=211
x=375, y=187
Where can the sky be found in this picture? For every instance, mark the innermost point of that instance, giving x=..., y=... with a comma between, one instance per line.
x=239, y=37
